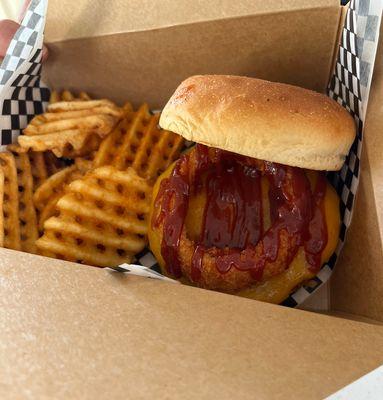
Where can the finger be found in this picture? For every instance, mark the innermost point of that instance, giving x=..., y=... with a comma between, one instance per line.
x=7, y=30
x=45, y=53
x=24, y=9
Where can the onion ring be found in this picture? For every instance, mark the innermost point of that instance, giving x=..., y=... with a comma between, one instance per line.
x=227, y=268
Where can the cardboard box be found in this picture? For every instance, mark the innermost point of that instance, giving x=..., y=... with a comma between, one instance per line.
x=72, y=331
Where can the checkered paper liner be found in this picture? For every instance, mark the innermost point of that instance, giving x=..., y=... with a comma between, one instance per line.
x=22, y=95
x=349, y=86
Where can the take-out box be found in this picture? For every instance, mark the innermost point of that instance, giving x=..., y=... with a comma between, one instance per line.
x=73, y=331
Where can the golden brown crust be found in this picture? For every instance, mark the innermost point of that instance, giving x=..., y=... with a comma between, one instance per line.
x=210, y=277
x=234, y=279
x=261, y=119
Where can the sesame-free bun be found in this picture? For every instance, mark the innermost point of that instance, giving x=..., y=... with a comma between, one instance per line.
x=261, y=119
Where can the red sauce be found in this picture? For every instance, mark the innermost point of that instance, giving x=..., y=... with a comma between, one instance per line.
x=232, y=222
x=174, y=206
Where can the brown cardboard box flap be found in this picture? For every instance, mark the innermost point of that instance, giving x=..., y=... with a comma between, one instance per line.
x=70, y=331
x=146, y=66
x=97, y=17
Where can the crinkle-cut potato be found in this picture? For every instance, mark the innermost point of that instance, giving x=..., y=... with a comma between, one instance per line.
x=111, y=144
x=71, y=128
x=52, y=163
x=27, y=212
x=94, y=211
x=47, y=195
x=84, y=164
x=18, y=212
x=67, y=95
x=1, y=208
x=73, y=106
x=139, y=142
x=39, y=168
x=101, y=220
x=10, y=202
x=43, y=164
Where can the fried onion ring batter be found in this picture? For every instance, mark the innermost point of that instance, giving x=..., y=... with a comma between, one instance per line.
x=222, y=266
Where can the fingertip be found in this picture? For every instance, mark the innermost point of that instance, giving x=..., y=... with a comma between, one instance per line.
x=45, y=53
x=8, y=29
x=24, y=9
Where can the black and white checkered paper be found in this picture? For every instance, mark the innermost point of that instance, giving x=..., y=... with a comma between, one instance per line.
x=22, y=95
x=349, y=86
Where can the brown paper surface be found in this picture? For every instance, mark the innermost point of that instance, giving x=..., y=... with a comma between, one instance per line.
x=70, y=331
x=69, y=19
x=357, y=283
x=77, y=332
x=148, y=66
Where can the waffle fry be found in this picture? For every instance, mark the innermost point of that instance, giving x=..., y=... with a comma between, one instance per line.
x=94, y=211
x=158, y=149
x=10, y=202
x=102, y=219
x=49, y=210
x=84, y=105
x=51, y=186
x=43, y=164
x=67, y=95
x=71, y=128
x=111, y=144
x=52, y=163
x=138, y=142
x=46, y=196
x=64, y=120
x=1, y=208
x=27, y=212
x=38, y=168
x=84, y=164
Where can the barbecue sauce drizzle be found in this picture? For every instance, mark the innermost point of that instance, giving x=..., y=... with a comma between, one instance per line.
x=232, y=222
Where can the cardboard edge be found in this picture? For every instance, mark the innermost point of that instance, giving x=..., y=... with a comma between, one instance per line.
x=351, y=317
x=170, y=26
x=68, y=267
x=377, y=76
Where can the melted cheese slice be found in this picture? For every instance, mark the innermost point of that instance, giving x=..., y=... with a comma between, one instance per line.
x=277, y=288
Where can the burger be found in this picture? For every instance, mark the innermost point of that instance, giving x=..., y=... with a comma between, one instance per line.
x=247, y=210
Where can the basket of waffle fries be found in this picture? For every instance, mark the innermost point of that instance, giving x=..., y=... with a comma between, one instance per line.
x=78, y=183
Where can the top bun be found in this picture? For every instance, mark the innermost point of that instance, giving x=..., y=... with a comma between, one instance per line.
x=261, y=119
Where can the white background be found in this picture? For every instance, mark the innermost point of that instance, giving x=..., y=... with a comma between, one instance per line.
x=10, y=9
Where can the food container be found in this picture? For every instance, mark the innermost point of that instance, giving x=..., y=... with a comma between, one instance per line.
x=113, y=335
